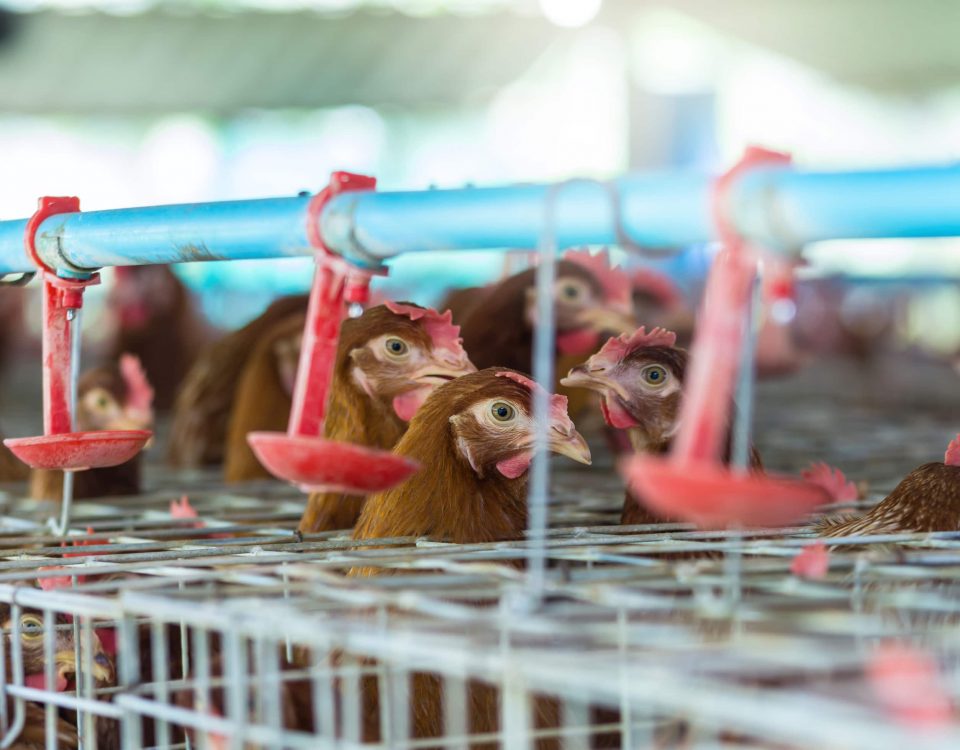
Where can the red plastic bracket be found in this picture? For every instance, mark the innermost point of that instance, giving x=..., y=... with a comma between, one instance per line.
x=59, y=447
x=753, y=157
x=357, y=283
x=692, y=483
x=340, y=182
x=301, y=456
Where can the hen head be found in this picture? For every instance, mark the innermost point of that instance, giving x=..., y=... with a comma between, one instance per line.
x=490, y=418
x=397, y=353
x=115, y=398
x=591, y=300
x=32, y=631
x=140, y=293
x=639, y=378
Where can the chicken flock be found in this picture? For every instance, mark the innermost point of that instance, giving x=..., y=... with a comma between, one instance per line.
x=448, y=390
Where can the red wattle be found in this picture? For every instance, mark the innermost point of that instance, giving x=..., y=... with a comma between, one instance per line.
x=616, y=416
x=39, y=681
x=406, y=404
x=583, y=341
x=515, y=466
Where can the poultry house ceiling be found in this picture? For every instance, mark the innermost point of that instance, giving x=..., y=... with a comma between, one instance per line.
x=163, y=59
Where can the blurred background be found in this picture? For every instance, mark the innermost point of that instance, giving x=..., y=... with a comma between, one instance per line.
x=133, y=102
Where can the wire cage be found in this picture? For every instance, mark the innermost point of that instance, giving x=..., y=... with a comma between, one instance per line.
x=227, y=630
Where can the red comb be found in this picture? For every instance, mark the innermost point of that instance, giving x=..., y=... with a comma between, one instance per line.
x=616, y=348
x=832, y=480
x=558, y=403
x=657, y=285
x=139, y=391
x=952, y=456
x=612, y=279
x=812, y=562
x=439, y=326
x=182, y=509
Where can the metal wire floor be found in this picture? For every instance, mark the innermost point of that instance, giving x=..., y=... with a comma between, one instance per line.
x=654, y=636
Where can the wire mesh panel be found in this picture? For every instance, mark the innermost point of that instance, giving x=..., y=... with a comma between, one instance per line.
x=227, y=629
x=269, y=642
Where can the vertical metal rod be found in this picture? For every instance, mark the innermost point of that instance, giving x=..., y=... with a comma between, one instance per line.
x=742, y=423
x=202, y=696
x=285, y=577
x=84, y=676
x=400, y=693
x=746, y=377
x=352, y=715
x=324, y=700
x=73, y=318
x=49, y=677
x=455, y=711
x=184, y=656
x=17, y=676
x=129, y=668
x=515, y=711
x=626, y=722
x=383, y=685
x=4, y=678
x=271, y=689
x=161, y=676
x=78, y=688
x=234, y=671
x=544, y=345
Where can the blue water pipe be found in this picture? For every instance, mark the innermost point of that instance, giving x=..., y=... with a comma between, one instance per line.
x=779, y=207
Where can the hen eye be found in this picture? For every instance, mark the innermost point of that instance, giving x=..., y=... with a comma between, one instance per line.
x=102, y=402
x=503, y=412
x=31, y=627
x=570, y=292
x=654, y=375
x=396, y=347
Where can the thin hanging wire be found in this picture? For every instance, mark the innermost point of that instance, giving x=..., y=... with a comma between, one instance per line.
x=66, y=501
x=742, y=434
x=544, y=346
x=746, y=378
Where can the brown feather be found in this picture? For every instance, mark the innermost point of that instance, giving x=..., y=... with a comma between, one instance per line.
x=355, y=417
x=12, y=469
x=926, y=500
x=202, y=409
x=495, y=330
x=462, y=302
x=261, y=403
x=448, y=500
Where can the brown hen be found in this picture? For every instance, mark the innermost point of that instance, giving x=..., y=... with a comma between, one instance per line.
x=156, y=321
x=640, y=381
x=474, y=437
x=33, y=734
x=202, y=410
x=388, y=362
x=927, y=499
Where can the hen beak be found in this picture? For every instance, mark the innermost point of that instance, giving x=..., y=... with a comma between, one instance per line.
x=607, y=320
x=101, y=667
x=594, y=379
x=443, y=367
x=570, y=443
